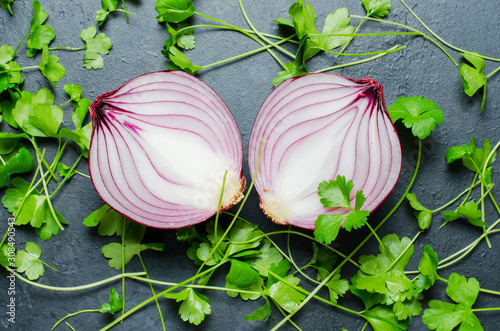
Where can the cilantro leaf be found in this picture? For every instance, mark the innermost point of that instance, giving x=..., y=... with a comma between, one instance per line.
x=95, y=45
x=241, y=274
x=179, y=61
x=337, y=287
x=261, y=313
x=10, y=75
x=174, y=11
x=336, y=194
x=443, y=316
x=114, y=305
x=74, y=91
x=7, y=253
x=469, y=211
x=18, y=160
x=50, y=67
x=13, y=196
x=254, y=287
x=427, y=266
x=377, y=8
x=473, y=77
x=28, y=261
x=6, y=54
x=267, y=257
x=40, y=34
x=195, y=306
x=406, y=309
x=424, y=215
x=284, y=295
x=473, y=158
x=110, y=222
x=382, y=318
x=183, y=37
x=417, y=113
x=131, y=246
x=384, y=273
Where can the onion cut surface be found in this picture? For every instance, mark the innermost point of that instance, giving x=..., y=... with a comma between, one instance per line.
x=160, y=147
x=314, y=128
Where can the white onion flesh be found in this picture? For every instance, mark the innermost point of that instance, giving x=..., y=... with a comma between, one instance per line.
x=314, y=128
x=160, y=147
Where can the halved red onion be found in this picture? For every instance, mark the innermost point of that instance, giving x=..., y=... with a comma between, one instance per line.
x=160, y=147
x=314, y=128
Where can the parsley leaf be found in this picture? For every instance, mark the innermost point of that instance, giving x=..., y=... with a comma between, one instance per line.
x=50, y=67
x=304, y=21
x=443, y=316
x=336, y=194
x=261, y=313
x=377, y=8
x=427, y=266
x=18, y=160
x=417, y=113
x=95, y=45
x=469, y=211
x=284, y=295
x=473, y=77
x=424, y=215
x=174, y=11
x=131, y=245
x=241, y=274
x=195, y=306
x=28, y=261
x=382, y=318
x=36, y=114
x=110, y=222
x=384, y=273
x=473, y=158
x=114, y=305
x=10, y=75
x=183, y=37
x=179, y=61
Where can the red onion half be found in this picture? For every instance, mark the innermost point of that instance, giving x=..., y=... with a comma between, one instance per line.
x=160, y=147
x=314, y=128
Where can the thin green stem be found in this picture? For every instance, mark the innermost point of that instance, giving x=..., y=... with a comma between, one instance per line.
x=375, y=234
x=49, y=202
x=255, y=51
x=48, y=265
x=441, y=39
x=368, y=53
x=21, y=42
x=66, y=178
x=67, y=48
x=250, y=24
x=396, y=260
x=456, y=198
x=124, y=220
x=474, y=310
x=162, y=293
x=74, y=314
x=348, y=42
x=37, y=150
x=125, y=10
x=343, y=65
x=493, y=72
x=412, y=29
x=74, y=288
x=153, y=292
x=203, y=287
x=241, y=31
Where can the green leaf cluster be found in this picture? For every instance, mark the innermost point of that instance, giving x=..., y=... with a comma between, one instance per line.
x=174, y=11
x=472, y=75
x=28, y=261
x=337, y=194
x=40, y=34
x=377, y=8
x=114, y=305
x=10, y=77
x=418, y=113
x=474, y=158
x=111, y=223
x=445, y=316
x=95, y=45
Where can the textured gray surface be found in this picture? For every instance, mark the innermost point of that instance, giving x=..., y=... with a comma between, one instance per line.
x=419, y=69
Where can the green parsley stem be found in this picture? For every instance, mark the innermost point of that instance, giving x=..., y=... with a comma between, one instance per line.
x=69, y=326
x=367, y=34
x=162, y=293
x=49, y=202
x=412, y=29
x=74, y=314
x=66, y=177
x=343, y=65
x=485, y=309
x=19, y=69
x=218, y=210
x=349, y=41
x=492, y=73
x=42, y=159
x=255, y=51
x=375, y=235
x=3, y=161
x=396, y=260
x=152, y=291
x=441, y=39
x=250, y=24
x=204, y=287
x=456, y=198
x=51, y=267
x=368, y=53
x=67, y=48
x=21, y=42
x=75, y=288
x=244, y=32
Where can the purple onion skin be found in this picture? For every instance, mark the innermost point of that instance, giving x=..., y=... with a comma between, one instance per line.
x=201, y=117
x=290, y=110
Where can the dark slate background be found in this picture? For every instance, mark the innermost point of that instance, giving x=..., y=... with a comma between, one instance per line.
x=419, y=69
